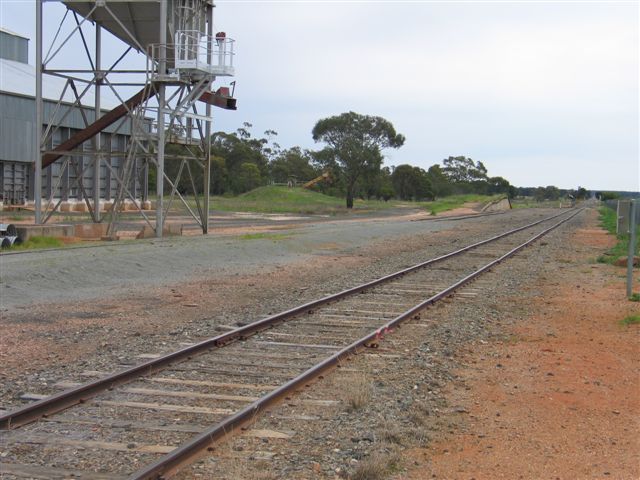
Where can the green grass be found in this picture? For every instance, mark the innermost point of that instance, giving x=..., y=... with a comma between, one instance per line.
x=277, y=199
x=269, y=236
x=39, y=242
x=635, y=297
x=630, y=320
x=456, y=201
x=529, y=202
x=608, y=220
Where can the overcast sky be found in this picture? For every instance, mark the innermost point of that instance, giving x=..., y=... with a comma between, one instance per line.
x=543, y=93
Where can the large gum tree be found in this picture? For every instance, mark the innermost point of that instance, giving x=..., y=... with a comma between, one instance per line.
x=354, y=145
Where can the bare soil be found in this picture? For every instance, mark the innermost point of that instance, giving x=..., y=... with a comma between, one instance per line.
x=40, y=341
x=559, y=396
x=532, y=378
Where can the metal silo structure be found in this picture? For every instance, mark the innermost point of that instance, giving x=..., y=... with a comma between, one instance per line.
x=183, y=57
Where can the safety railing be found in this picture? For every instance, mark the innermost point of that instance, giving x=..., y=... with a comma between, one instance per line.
x=191, y=52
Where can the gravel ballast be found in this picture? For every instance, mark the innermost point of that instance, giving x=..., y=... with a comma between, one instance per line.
x=251, y=282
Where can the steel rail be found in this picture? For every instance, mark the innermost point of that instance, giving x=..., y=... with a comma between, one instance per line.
x=168, y=465
x=457, y=217
x=82, y=393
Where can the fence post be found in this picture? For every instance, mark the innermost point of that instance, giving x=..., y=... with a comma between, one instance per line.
x=632, y=247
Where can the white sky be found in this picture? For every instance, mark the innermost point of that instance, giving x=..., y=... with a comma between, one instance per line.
x=543, y=93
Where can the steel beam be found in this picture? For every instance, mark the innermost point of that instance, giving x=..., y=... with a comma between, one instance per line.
x=207, y=130
x=97, y=126
x=37, y=180
x=98, y=138
x=162, y=69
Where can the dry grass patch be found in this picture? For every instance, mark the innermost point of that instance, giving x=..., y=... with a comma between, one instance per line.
x=246, y=470
x=357, y=391
x=378, y=466
x=404, y=435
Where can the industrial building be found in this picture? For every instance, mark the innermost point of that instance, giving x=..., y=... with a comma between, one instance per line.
x=17, y=147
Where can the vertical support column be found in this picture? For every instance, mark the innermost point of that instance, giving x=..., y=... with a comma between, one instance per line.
x=632, y=246
x=162, y=69
x=37, y=180
x=65, y=133
x=134, y=178
x=49, y=186
x=98, y=139
x=145, y=181
x=207, y=142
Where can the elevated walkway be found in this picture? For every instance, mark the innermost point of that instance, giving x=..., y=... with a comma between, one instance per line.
x=136, y=23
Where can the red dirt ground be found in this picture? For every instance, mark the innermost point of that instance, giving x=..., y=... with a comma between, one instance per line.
x=560, y=397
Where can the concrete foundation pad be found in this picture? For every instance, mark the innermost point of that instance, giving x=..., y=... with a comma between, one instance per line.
x=67, y=206
x=168, y=231
x=25, y=232
x=90, y=230
x=80, y=207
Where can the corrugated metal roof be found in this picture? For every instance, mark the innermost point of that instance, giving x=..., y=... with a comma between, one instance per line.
x=10, y=32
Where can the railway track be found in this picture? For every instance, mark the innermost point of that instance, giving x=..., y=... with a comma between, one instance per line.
x=195, y=396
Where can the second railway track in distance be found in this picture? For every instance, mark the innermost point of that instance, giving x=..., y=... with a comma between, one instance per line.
x=150, y=420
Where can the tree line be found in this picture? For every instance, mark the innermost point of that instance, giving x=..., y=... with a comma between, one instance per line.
x=351, y=154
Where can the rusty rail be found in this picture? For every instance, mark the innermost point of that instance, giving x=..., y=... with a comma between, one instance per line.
x=196, y=447
x=82, y=393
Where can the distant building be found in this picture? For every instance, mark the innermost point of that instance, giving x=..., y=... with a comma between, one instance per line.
x=17, y=149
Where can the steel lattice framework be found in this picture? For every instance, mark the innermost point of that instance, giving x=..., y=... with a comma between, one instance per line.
x=169, y=118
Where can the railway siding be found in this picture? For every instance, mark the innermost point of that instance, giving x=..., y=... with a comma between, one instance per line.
x=298, y=340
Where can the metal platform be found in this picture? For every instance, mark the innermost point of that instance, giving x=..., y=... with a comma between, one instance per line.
x=133, y=22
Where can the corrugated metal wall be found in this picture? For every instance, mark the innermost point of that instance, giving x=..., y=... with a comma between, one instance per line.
x=13, y=47
x=17, y=118
x=14, y=181
x=17, y=145
x=17, y=151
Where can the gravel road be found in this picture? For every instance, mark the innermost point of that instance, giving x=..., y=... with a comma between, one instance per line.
x=77, y=274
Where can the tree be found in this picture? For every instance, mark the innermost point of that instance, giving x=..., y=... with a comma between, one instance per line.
x=499, y=185
x=219, y=175
x=293, y=162
x=385, y=186
x=411, y=183
x=239, y=148
x=354, y=144
x=582, y=193
x=247, y=178
x=551, y=192
x=402, y=178
x=546, y=193
x=608, y=196
x=463, y=170
x=440, y=185
x=465, y=175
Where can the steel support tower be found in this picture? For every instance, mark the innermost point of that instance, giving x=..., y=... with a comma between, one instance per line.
x=179, y=57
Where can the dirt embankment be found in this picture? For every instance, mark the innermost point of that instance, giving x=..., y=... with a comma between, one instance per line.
x=559, y=397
